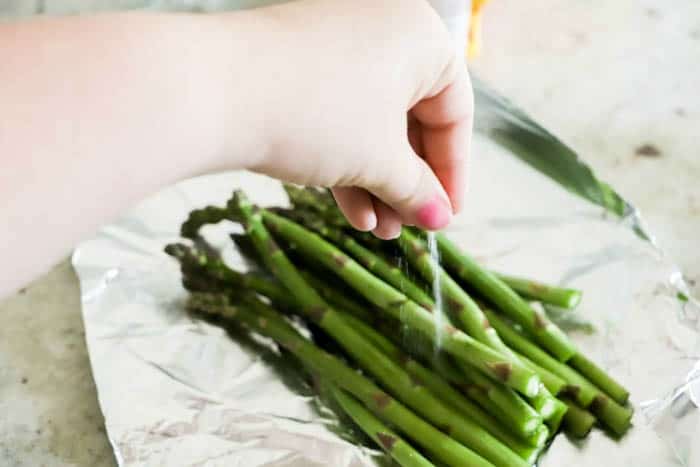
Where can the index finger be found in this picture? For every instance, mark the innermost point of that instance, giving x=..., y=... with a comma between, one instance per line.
x=446, y=121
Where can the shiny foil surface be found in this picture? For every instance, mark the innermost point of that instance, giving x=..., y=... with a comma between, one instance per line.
x=179, y=392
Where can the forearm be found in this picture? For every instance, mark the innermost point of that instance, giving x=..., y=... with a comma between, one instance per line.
x=98, y=112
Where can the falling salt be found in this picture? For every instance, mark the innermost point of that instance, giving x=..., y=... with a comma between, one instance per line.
x=438, y=314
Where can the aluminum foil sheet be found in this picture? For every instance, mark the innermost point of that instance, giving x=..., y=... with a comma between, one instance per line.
x=177, y=392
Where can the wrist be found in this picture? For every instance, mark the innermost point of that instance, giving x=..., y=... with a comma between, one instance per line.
x=217, y=66
x=241, y=58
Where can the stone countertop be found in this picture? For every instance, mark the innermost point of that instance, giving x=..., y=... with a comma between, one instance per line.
x=617, y=80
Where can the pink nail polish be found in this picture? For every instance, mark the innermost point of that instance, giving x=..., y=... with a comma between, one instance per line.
x=435, y=214
x=371, y=221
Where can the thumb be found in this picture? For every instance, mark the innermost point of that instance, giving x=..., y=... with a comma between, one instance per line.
x=406, y=183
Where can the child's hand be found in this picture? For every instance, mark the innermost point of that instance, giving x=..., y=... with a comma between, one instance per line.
x=101, y=111
x=371, y=100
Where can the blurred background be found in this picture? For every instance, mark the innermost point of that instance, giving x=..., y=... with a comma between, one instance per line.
x=618, y=81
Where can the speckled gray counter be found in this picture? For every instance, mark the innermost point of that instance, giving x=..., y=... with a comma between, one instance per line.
x=618, y=80
x=48, y=402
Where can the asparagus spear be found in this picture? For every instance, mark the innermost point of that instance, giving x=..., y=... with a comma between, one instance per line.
x=399, y=306
x=200, y=217
x=534, y=321
x=267, y=322
x=329, y=292
x=510, y=408
x=541, y=436
x=462, y=305
x=465, y=310
x=555, y=421
x=318, y=201
x=323, y=204
x=614, y=416
x=578, y=422
x=555, y=385
x=539, y=292
x=584, y=394
x=190, y=259
x=446, y=392
x=338, y=300
x=388, y=440
x=600, y=378
x=447, y=368
x=552, y=382
x=370, y=358
x=215, y=268
x=370, y=260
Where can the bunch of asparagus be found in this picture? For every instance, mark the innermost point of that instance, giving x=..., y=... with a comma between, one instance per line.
x=490, y=384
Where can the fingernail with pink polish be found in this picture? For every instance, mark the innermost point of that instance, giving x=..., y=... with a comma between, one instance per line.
x=435, y=214
x=370, y=222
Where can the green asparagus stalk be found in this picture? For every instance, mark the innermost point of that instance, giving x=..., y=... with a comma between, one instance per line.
x=583, y=393
x=435, y=383
x=578, y=422
x=447, y=369
x=370, y=260
x=600, y=378
x=321, y=203
x=555, y=421
x=465, y=310
x=478, y=394
x=318, y=201
x=539, y=292
x=189, y=256
x=510, y=408
x=399, y=306
x=555, y=385
x=388, y=440
x=369, y=357
x=215, y=268
x=552, y=382
x=270, y=324
x=534, y=321
x=544, y=402
x=337, y=299
x=541, y=436
x=200, y=217
x=614, y=416
x=329, y=292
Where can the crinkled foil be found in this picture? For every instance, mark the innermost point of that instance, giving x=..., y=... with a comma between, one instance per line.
x=178, y=392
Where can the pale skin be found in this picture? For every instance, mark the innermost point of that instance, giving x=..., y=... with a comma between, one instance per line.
x=364, y=96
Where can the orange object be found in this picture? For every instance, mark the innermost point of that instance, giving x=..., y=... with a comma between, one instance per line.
x=474, y=47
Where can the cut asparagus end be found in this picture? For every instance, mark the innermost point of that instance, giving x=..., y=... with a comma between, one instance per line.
x=541, y=436
x=537, y=291
x=531, y=426
x=578, y=422
x=547, y=408
x=600, y=378
x=532, y=387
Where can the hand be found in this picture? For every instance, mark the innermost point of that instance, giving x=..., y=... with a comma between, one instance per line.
x=365, y=96
x=371, y=99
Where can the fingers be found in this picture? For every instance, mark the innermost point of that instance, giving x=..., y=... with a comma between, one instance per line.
x=388, y=221
x=405, y=183
x=446, y=126
x=415, y=134
x=366, y=213
x=356, y=204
